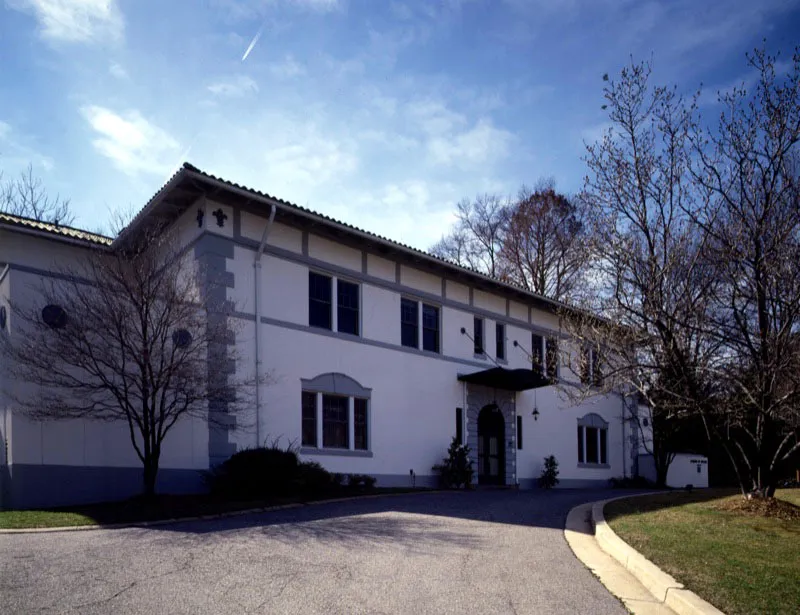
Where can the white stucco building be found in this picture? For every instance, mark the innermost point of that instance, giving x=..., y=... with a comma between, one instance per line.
x=379, y=355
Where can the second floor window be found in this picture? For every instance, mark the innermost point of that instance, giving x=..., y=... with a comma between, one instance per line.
x=537, y=353
x=500, y=341
x=319, y=300
x=347, y=307
x=478, y=336
x=409, y=323
x=591, y=369
x=552, y=358
x=430, y=328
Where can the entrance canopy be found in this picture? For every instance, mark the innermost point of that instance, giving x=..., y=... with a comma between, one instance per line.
x=508, y=379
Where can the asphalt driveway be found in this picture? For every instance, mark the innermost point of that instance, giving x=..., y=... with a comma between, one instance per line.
x=478, y=552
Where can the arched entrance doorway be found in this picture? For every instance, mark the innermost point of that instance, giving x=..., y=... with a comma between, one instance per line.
x=491, y=449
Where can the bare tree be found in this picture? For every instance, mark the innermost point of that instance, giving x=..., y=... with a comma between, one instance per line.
x=545, y=245
x=25, y=196
x=747, y=167
x=476, y=238
x=128, y=334
x=645, y=324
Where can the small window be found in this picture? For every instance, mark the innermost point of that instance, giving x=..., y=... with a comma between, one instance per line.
x=537, y=358
x=360, y=432
x=552, y=358
x=319, y=300
x=500, y=341
x=309, y=419
x=347, y=307
x=603, y=443
x=591, y=369
x=460, y=425
x=478, y=335
x=580, y=444
x=519, y=431
x=597, y=370
x=335, y=423
x=54, y=316
x=430, y=328
x=409, y=323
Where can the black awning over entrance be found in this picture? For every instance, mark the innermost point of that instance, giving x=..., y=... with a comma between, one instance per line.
x=508, y=379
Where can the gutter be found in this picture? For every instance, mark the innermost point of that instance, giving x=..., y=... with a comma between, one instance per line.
x=257, y=306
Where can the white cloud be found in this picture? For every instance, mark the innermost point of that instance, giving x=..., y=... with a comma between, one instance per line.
x=5, y=129
x=434, y=117
x=117, y=70
x=237, y=87
x=132, y=143
x=75, y=21
x=310, y=161
x=481, y=144
x=287, y=68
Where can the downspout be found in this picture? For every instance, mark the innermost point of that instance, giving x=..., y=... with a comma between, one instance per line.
x=624, y=437
x=257, y=305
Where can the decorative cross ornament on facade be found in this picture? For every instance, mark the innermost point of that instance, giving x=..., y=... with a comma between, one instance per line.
x=221, y=216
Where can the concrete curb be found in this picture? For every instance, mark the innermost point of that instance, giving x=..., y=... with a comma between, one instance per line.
x=664, y=587
x=225, y=515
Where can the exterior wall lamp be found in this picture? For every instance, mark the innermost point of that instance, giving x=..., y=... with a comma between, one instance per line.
x=535, y=414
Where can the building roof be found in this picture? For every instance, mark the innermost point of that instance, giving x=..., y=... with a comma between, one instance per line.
x=183, y=188
x=60, y=230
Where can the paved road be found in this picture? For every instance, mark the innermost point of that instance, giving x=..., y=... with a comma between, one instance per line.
x=480, y=552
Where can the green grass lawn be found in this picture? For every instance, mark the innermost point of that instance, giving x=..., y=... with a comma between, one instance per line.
x=742, y=563
x=163, y=507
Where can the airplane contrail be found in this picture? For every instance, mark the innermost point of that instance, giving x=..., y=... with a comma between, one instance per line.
x=253, y=43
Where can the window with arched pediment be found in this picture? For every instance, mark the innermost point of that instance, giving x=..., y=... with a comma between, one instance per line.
x=335, y=413
x=592, y=440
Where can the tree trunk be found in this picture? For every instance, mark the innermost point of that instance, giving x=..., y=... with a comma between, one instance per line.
x=149, y=477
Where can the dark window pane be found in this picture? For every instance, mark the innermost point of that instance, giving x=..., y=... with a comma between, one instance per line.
x=430, y=328
x=360, y=428
x=597, y=370
x=478, y=335
x=500, y=339
x=580, y=444
x=409, y=323
x=335, y=424
x=460, y=425
x=347, y=307
x=536, y=353
x=309, y=419
x=519, y=431
x=552, y=358
x=603, y=438
x=591, y=445
x=319, y=300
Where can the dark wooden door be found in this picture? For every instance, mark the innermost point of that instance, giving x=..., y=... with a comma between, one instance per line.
x=491, y=447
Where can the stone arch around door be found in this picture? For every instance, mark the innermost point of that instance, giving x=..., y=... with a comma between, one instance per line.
x=478, y=398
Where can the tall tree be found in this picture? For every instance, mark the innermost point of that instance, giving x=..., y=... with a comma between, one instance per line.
x=125, y=334
x=545, y=245
x=645, y=323
x=25, y=196
x=476, y=237
x=747, y=168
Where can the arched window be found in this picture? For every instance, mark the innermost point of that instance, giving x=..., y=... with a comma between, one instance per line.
x=592, y=440
x=335, y=413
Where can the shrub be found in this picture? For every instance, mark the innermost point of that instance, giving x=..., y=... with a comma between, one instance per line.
x=255, y=473
x=312, y=478
x=549, y=476
x=456, y=470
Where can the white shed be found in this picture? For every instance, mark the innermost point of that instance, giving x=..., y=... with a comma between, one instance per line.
x=685, y=469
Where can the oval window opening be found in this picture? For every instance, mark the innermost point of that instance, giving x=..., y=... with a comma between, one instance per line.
x=54, y=316
x=181, y=338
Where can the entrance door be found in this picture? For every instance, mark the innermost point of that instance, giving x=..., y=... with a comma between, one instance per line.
x=491, y=449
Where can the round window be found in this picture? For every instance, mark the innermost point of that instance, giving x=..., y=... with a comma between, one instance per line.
x=181, y=338
x=54, y=316
x=645, y=422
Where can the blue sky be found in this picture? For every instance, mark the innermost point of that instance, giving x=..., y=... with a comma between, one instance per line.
x=380, y=113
